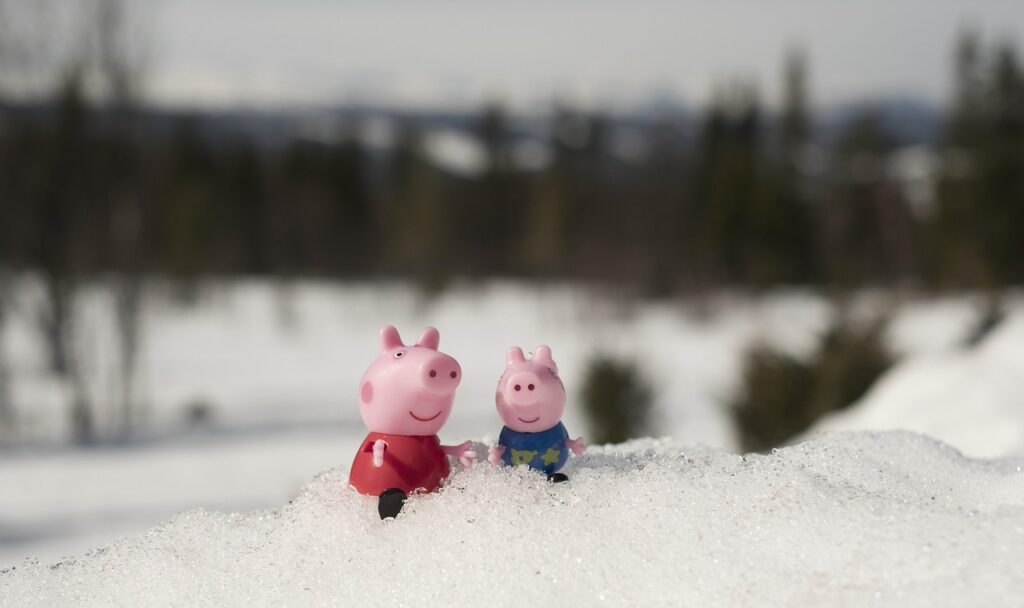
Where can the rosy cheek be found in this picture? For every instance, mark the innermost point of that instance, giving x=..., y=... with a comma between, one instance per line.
x=366, y=392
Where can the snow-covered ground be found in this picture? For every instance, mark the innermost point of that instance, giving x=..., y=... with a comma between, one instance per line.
x=260, y=356
x=891, y=519
x=279, y=371
x=972, y=398
x=66, y=501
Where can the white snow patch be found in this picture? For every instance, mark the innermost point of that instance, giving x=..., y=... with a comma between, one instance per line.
x=65, y=501
x=456, y=151
x=260, y=356
x=972, y=398
x=891, y=519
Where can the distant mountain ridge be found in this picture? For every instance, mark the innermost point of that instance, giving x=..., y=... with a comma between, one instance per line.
x=909, y=121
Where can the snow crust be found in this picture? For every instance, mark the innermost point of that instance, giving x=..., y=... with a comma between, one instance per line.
x=851, y=519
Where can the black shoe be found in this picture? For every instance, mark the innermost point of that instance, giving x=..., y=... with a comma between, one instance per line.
x=557, y=477
x=391, y=503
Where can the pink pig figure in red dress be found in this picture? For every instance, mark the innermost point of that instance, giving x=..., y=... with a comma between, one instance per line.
x=405, y=398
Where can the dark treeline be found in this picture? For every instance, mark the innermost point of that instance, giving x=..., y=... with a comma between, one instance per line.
x=747, y=198
x=95, y=186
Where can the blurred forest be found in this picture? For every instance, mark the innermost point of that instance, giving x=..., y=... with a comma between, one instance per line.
x=94, y=181
x=97, y=185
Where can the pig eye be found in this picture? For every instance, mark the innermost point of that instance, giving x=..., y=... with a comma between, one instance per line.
x=399, y=354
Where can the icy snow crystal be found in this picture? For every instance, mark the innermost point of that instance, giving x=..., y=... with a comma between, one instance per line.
x=892, y=519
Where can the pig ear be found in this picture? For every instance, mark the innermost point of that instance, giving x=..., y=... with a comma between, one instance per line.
x=389, y=338
x=515, y=355
x=543, y=356
x=430, y=338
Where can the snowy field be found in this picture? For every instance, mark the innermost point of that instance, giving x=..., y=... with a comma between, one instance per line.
x=893, y=519
x=972, y=398
x=278, y=374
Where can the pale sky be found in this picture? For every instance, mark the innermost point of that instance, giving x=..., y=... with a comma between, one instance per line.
x=435, y=53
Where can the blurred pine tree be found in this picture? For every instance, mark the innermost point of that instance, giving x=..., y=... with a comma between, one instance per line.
x=617, y=400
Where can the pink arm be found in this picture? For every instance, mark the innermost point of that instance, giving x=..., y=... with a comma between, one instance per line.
x=577, y=446
x=461, y=451
x=378, y=452
x=494, y=454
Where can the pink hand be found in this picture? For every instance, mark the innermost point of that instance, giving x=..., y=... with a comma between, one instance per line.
x=467, y=458
x=577, y=446
x=461, y=451
x=494, y=454
x=378, y=452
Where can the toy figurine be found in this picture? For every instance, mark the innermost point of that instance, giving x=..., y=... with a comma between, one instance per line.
x=405, y=398
x=531, y=399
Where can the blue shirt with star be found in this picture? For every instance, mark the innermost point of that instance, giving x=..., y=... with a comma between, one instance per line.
x=544, y=451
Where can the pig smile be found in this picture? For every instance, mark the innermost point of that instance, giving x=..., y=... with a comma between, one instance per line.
x=530, y=421
x=425, y=419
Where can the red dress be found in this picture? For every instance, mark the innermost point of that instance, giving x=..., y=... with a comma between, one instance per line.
x=411, y=463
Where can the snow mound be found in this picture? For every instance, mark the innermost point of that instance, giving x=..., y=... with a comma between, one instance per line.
x=892, y=519
x=971, y=398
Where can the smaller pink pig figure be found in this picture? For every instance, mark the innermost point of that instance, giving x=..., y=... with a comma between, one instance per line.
x=530, y=400
x=405, y=398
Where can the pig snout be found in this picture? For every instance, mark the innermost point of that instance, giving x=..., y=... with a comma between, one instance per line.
x=441, y=374
x=521, y=389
